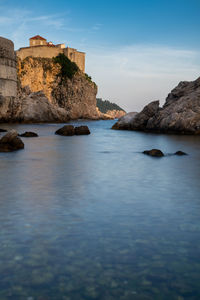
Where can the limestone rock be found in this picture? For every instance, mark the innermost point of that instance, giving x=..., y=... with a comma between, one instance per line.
x=154, y=152
x=37, y=108
x=77, y=95
x=82, y=130
x=124, y=123
x=67, y=130
x=11, y=142
x=115, y=114
x=180, y=113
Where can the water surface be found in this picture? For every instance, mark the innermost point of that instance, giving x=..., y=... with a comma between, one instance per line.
x=91, y=217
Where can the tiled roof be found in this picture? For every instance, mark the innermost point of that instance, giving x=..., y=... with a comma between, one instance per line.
x=37, y=37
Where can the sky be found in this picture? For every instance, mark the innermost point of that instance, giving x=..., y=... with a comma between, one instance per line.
x=137, y=51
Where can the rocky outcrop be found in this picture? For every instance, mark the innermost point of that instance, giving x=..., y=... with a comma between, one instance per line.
x=77, y=96
x=180, y=113
x=114, y=114
x=31, y=108
x=11, y=142
x=69, y=130
x=124, y=123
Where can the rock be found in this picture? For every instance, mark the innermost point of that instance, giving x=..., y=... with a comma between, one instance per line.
x=82, y=130
x=154, y=152
x=141, y=119
x=179, y=115
x=28, y=134
x=124, y=123
x=36, y=108
x=67, y=130
x=180, y=153
x=3, y=130
x=77, y=96
x=114, y=114
x=11, y=142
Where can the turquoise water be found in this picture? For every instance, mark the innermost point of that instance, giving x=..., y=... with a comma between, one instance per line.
x=91, y=217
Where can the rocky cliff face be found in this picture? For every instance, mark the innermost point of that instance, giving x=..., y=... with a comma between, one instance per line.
x=45, y=96
x=77, y=95
x=180, y=113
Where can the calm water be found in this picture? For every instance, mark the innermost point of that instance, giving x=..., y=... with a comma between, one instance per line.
x=90, y=217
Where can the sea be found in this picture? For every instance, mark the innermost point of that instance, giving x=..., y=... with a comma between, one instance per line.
x=92, y=217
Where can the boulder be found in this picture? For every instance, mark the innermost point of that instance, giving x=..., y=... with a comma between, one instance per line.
x=82, y=130
x=11, y=142
x=28, y=134
x=154, y=152
x=67, y=130
x=124, y=123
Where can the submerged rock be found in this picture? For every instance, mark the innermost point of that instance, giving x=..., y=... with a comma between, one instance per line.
x=11, y=142
x=154, y=152
x=180, y=153
x=82, y=130
x=28, y=134
x=67, y=130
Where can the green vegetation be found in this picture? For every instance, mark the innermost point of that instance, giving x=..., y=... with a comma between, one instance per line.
x=105, y=105
x=68, y=68
x=89, y=78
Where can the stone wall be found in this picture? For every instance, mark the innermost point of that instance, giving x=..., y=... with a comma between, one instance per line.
x=51, y=51
x=39, y=51
x=76, y=56
x=8, y=74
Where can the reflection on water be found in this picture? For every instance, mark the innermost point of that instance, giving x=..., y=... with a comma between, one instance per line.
x=90, y=217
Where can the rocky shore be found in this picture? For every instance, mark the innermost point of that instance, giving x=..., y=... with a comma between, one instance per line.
x=179, y=115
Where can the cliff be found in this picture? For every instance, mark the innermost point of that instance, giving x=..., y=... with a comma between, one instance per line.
x=76, y=95
x=180, y=113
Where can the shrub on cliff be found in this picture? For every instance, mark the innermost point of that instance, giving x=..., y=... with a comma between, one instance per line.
x=68, y=68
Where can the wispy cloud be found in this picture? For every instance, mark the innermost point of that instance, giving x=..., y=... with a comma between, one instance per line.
x=18, y=23
x=97, y=26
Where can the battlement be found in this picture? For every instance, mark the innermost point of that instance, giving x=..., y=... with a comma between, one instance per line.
x=39, y=47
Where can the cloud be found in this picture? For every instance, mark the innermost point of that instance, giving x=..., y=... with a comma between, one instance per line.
x=97, y=26
x=16, y=24
x=135, y=75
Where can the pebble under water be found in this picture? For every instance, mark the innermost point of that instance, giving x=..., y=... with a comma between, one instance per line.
x=91, y=217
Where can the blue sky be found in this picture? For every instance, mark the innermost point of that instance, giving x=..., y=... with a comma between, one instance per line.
x=136, y=51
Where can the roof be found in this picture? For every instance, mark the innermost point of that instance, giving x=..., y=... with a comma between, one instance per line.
x=37, y=37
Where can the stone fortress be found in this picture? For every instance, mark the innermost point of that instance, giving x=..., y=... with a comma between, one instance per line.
x=8, y=72
x=39, y=47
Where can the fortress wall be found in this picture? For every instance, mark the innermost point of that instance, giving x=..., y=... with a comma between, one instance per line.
x=80, y=60
x=49, y=52
x=76, y=56
x=8, y=73
x=39, y=51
